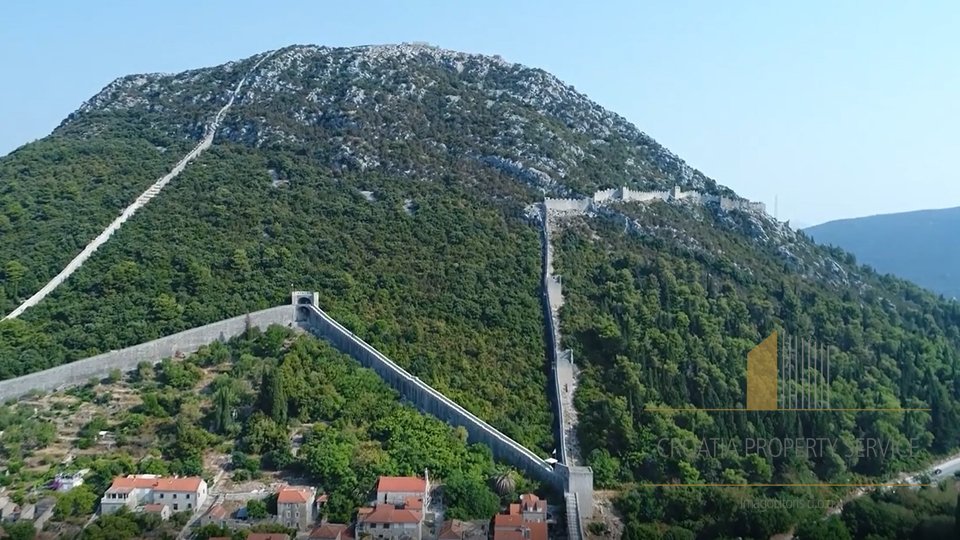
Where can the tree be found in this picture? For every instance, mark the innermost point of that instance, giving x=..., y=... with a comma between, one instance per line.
x=14, y=271
x=257, y=509
x=223, y=410
x=273, y=398
x=469, y=497
x=20, y=530
x=79, y=501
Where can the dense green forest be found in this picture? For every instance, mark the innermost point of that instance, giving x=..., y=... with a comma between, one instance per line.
x=663, y=316
x=59, y=193
x=448, y=289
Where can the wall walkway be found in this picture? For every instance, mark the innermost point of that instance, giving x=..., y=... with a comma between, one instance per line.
x=139, y=203
x=81, y=371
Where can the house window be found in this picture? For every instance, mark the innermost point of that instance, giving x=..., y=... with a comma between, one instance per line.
x=161, y=495
x=189, y=505
x=175, y=506
x=188, y=495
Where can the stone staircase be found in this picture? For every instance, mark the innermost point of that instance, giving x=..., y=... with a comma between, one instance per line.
x=574, y=529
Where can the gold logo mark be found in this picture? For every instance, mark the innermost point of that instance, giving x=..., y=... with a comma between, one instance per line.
x=762, y=375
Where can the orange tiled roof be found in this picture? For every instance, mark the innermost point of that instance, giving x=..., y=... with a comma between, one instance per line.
x=538, y=531
x=388, y=513
x=529, y=502
x=218, y=511
x=508, y=520
x=406, y=484
x=328, y=531
x=413, y=503
x=127, y=483
x=294, y=495
x=153, y=508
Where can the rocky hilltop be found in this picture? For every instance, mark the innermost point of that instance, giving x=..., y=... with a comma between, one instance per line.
x=397, y=181
x=355, y=106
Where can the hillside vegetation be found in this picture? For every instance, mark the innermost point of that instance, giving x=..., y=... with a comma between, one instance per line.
x=394, y=180
x=662, y=315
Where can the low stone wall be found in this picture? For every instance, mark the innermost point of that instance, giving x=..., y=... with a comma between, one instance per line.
x=81, y=371
x=424, y=397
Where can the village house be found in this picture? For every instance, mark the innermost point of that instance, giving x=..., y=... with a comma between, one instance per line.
x=397, y=490
x=218, y=515
x=332, y=531
x=135, y=491
x=268, y=536
x=454, y=529
x=387, y=521
x=515, y=525
x=297, y=507
x=161, y=510
x=533, y=508
x=66, y=482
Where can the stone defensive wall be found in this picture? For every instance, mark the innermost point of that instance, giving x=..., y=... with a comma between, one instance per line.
x=424, y=397
x=551, y=290
x=81, y=371
x=625, y=194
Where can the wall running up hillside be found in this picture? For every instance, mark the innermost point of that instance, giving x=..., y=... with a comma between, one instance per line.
x=81, y=371
x=129, y=211
x=423, y=396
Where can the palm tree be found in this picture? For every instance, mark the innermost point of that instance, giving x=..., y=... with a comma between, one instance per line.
x=505, y=483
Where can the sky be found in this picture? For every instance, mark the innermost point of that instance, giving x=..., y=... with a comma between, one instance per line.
x=830, y=109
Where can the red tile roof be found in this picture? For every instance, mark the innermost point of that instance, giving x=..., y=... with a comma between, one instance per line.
x=218, y=511
x=403, y=484
x=507, y=520
x=329, y=531
x=452, y=529
x=531, y=503
x=538, y=531
x=268, y=536
x=153, y=508
x=388, y=513
x=294, y=495
x=126, y=483
x=413, y=503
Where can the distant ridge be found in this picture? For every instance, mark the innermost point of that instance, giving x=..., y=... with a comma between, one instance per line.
x=919, y=246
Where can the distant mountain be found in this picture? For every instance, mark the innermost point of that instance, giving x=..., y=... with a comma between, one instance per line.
x=919, y=246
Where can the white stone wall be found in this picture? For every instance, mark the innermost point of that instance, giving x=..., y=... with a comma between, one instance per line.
x=561, y=207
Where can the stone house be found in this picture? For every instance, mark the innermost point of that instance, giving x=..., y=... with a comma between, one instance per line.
x=514, y=524
x=332, y=531
x=297, y=507
x=398, y=490
x=533, y=508
x=387, y=521
x=161, y=510
x=134, y=491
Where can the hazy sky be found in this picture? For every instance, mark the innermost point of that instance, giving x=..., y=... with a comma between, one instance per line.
x=839, y=108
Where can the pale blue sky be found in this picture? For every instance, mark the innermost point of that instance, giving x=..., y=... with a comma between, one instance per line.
x=841, y=108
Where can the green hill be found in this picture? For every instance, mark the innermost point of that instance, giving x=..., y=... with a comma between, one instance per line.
x=396, y=181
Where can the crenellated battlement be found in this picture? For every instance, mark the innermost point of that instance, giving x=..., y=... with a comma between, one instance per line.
x=625, y=194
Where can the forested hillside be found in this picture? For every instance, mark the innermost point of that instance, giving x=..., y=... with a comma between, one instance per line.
x=395, y=181
x=391, y=179
x=662, y=315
